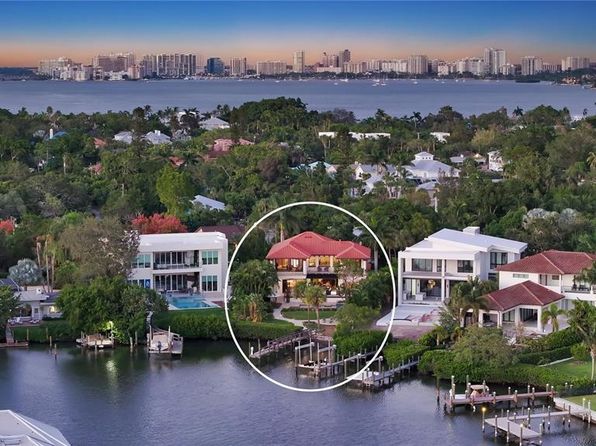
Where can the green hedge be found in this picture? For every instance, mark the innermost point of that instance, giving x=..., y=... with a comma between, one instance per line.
x=558, y=339
x=211, y=324
x=59, y=330
x=358, y=341
x=442, y=365
x=403, y=350
x=545, y=357
x=581, y=352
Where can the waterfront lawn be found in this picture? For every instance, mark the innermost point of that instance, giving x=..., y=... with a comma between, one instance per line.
x=303, y=315
x=578, y=400
x=573, y=368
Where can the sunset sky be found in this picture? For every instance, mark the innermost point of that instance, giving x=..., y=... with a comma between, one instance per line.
x=30, y=31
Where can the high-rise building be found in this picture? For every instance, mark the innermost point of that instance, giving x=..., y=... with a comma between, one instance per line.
x=344, y=57
x=418, y=64
x=531, y=65
x=473, y=65
x=494, y=59
x=271, y=67
x=298, y=65
x=571, y=63
x=168, y=65
x=114, y=62
x=238, y=66
x=53, y=67
x=215, y=66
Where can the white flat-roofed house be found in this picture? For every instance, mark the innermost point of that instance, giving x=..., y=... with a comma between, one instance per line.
x=554, y=270
x=440, y=136
x=429, y=269
x=424, y=167
x=208, y=203
x=182, y=262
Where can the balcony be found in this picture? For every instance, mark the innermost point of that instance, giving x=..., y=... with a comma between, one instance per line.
x=579, y=289
x=321, y=270
x=170, y=266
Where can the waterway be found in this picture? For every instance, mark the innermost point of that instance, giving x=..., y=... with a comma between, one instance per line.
x=212, y=397
x=397, y=97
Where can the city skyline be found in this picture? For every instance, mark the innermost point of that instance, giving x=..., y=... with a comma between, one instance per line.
x=262, y=31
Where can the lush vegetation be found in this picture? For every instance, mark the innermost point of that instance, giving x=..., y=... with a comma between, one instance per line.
x=402, y=351
x=58, y=330
x=303, y=315
x=358, y=341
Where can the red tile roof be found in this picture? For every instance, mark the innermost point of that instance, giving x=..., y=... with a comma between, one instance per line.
x=309, y=243
x=525, y=293
x=552, y=262
x=230, y=231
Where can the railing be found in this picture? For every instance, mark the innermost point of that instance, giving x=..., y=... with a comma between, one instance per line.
x=165, y=266
x=321, y=269
x=583, y=289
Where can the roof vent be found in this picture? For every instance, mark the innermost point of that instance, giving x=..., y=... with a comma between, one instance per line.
x=475, y=230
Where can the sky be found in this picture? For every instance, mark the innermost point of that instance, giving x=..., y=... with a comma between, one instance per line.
x=30, y=31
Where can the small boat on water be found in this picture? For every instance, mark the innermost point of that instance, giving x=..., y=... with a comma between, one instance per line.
x=164, y=343
x=96, y=341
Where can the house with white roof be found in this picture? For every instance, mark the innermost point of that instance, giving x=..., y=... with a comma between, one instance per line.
x=182, y=262
x=440, y=136
x=124, y=136
x=424, y=167
x=330, y=169
x=155, y=137
x=495, y=161
x=370, y=175
x=429, y=269
x=209, y=203
x=214, y=123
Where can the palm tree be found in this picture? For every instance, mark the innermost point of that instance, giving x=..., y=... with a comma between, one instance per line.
x=582, y=319
x=314, y=296
x=552, y=314
x=591, y=160
x=518, y=112
x=469, y=295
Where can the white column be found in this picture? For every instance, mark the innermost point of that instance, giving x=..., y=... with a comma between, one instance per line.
x=517, y=317
x=480, y=317
x=499, y=319
x=539, y=319
x=443, y=290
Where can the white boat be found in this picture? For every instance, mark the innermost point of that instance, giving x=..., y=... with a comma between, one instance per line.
x=162, y=342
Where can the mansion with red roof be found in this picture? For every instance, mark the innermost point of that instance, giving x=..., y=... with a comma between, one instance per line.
x=529, y=285
x=313, y=256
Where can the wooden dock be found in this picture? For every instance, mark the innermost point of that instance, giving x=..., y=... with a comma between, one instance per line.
x=96, y=342
x=11, y=342
x=275, y=345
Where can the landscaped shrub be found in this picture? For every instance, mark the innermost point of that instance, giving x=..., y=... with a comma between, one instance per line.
x=558, y=339
x=358, y=341
x=441, y=363
x=59, y=330
x=581, y=352
x=262, y=330
x=402, y=351
x=546, y=357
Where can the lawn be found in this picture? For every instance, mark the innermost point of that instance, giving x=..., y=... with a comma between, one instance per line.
x=303, y=315
x=573, y=368
x=578, y=400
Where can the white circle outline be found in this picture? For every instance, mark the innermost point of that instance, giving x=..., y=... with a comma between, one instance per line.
x=369, y=363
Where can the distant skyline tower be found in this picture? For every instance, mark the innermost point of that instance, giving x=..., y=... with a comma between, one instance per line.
x=215, y=66
x=238, y=66
x=531, y=65
x=298, y=62
x=494, y=59
x=344, y=57
x=418, y=64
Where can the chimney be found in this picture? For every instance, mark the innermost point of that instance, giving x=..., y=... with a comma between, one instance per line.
x=158, y=132
x=474, y=230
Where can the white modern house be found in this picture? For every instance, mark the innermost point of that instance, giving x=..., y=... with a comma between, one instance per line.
x=183, y=262
x=424, y=167
x=440, y=136
x=428, y=270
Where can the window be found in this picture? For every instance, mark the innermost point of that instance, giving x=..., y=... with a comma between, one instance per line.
x=142, y=261
x=497, y=259
x=464, y=266
x=439, y=265
x=143, y=283
x=209, y=283
x=555, y=277
x=520, y=276
x=209, y=258
x=422, y=264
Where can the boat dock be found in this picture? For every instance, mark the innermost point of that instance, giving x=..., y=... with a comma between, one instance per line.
x=472, y=398
x=518, y=427
x=11, y=342
x=164, y=343
x=96, y=341
x=371, y=380
x=275, y=345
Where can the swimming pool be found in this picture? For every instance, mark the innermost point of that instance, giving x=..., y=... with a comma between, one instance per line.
x=188, y=301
